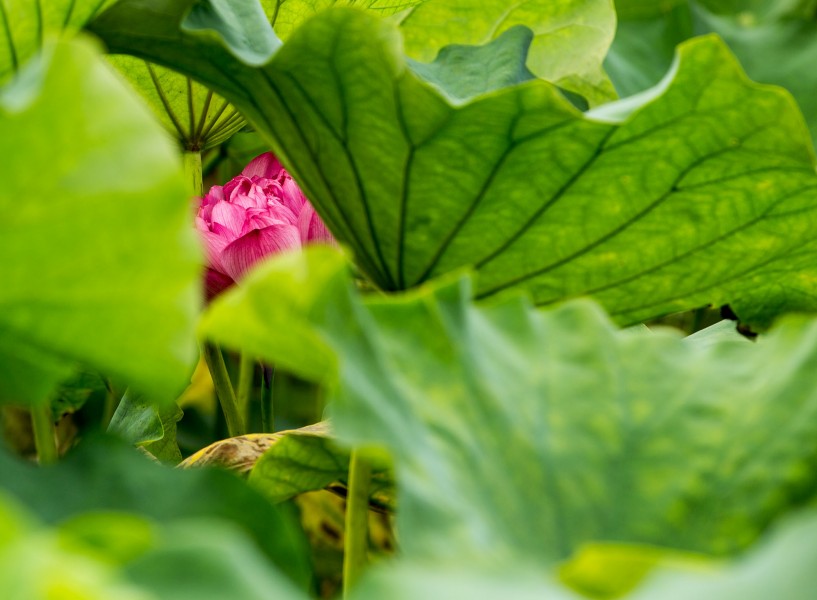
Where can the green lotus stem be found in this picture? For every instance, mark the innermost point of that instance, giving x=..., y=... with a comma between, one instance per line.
x=246, y=370
x=356, y=542
x=192, y=170
x=267, y=401
x=45, y=434
x=224, y=389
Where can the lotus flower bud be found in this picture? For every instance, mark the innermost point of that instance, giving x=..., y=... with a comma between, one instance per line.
x=260, y=212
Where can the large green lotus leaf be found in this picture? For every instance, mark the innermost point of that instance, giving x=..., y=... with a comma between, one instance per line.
x=525, y=433
x=703, y=195
x=99, y=261
x=571, y=37
x=197, y=117
x=104, y=475
x=24, y=24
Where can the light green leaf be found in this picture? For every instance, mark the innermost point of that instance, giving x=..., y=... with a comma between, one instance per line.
x=299, y=348
x=194, y=115
x=703, y=194
x=99, y=260
x=308, y=459
x=590, y=433
x=24, y=24
x=287, y=15
x=570, y=39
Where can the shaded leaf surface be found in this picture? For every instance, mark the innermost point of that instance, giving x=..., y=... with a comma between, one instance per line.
x=703, y=195
x=87, y=279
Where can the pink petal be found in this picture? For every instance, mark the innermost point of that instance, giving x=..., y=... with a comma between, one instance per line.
x=244, y=252
x=230, y=216
x=238, y=185
x=214, y=245
x=311, y=228
x=292, y=197
x=265, y=165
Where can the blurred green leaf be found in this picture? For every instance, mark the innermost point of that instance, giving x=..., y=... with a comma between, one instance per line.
x=209, y=561
x=592, y=433
x=191, y=558
x=775, y=41
x=287, y=15
x=24, y=24
x=701, y=192
x=86, y=278
x=104, y=474
x=570, y=38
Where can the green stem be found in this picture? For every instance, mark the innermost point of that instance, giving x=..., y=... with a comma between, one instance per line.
x=111, y=403
x=224, y=389
x=45, y=434
x=246, y=370
x=192, y=170
x=356, y=542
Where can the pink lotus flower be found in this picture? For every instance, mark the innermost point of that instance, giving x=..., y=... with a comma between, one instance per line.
x=258, y=213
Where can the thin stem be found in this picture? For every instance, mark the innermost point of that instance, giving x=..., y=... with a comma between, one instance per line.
x=246, y=370
x=192, y=170
x=111, y=404
x=224, y=389
x=45, y=434
x=356, y=542
x=268, y=401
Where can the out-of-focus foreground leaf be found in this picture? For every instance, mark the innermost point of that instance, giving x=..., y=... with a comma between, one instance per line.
x=99, y=262
x=105, y=475
x=499, y=411
x=105, y=556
